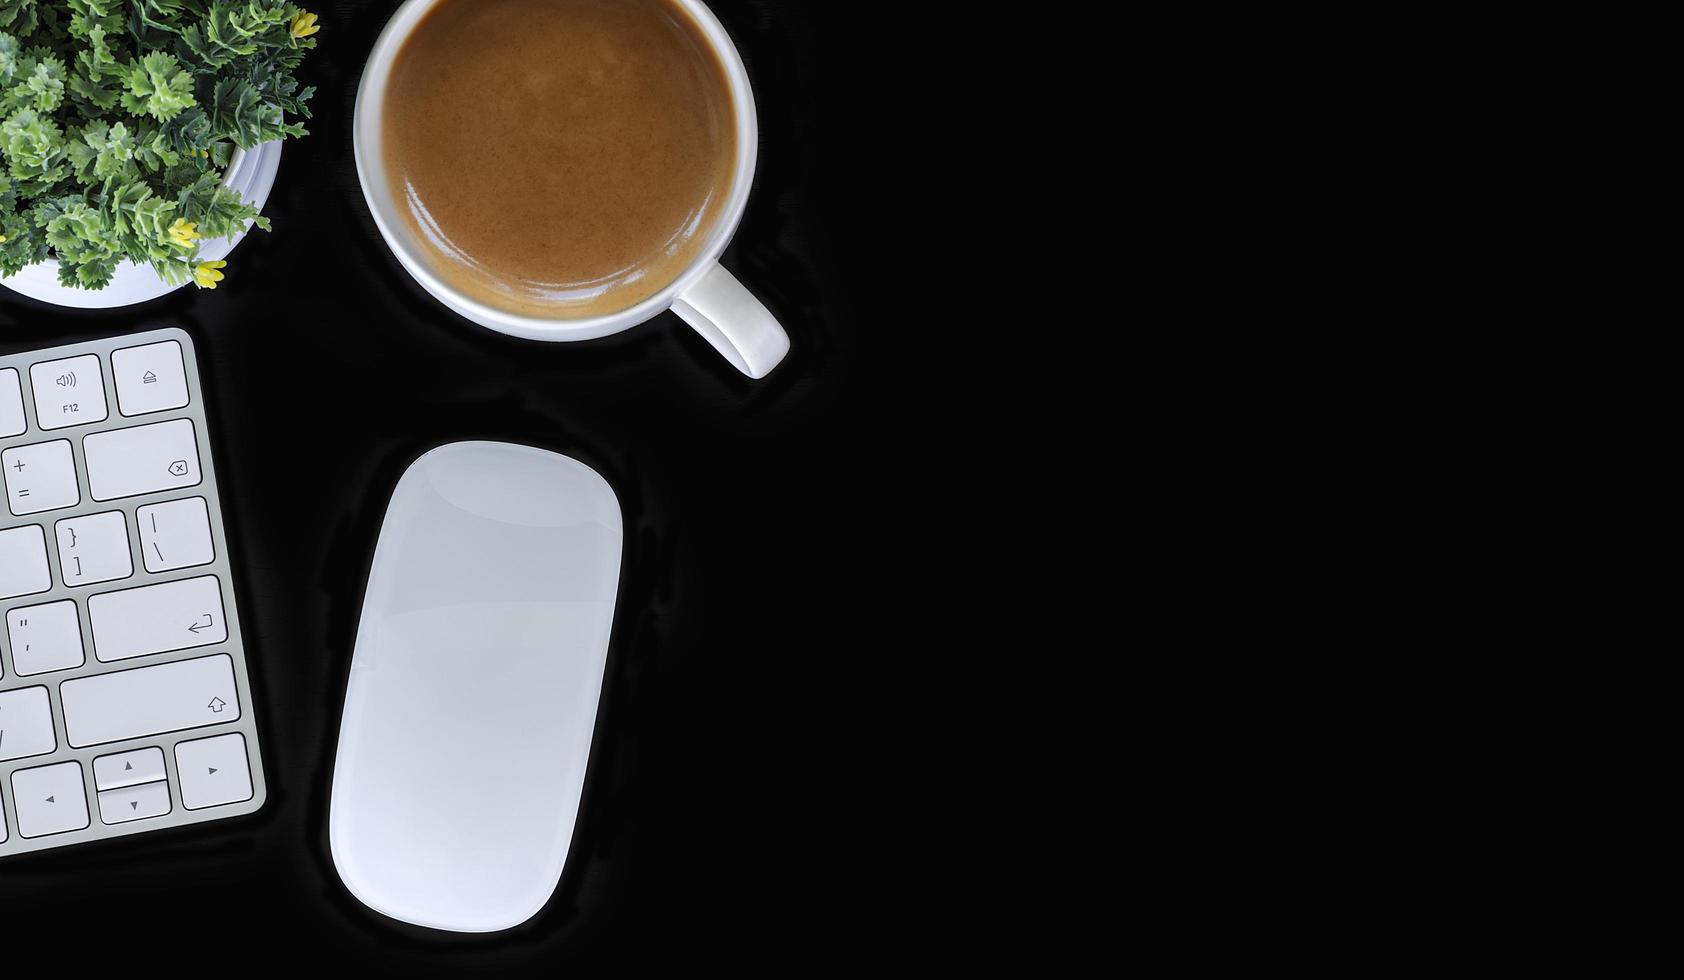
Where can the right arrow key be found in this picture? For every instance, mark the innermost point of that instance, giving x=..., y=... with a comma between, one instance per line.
x=213, y=771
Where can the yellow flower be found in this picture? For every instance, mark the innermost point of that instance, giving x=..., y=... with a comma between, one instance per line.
x=2, y=239
x=205, y=274
x=304, y=24
x=183, y=232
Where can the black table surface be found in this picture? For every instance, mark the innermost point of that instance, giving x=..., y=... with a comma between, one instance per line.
x=726, y=773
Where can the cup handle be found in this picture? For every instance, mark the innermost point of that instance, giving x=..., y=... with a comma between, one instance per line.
x=734, y=322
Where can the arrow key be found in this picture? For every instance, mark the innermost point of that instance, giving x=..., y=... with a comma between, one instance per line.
x=213, y=771
x=134, y=802
x=50, y=799
x=128, y=769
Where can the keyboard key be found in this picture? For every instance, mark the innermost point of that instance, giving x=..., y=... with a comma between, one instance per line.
x=134, y=803
x=213, y=771
x=12, y=422
x=94, y=548
x=23, y=561
x=149, y=378
x=50, y=799
x=143, y=459
x=175, y=535
x=68, y=392
x=128, y=768
x=156, y=618
x=26, y=724
x=45, y=638
x=146, y=701
x=40, y=477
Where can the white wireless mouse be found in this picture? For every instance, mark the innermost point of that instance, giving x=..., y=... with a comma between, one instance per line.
x=474, y=685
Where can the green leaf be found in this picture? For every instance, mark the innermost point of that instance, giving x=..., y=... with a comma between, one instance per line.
x=87, y=16
x=218, y=210
x=157, y=86
x=10, y=52
x=21, y=16
x=33, y=146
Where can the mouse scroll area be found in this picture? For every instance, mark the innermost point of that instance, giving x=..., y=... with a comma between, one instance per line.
x=474, y=686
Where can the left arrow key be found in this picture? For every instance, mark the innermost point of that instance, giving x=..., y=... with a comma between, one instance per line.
x=50, y=799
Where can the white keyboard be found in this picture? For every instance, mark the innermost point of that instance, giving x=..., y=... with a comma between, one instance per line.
x=124, y=701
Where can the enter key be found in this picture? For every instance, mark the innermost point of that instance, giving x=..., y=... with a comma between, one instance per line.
x=156, y=618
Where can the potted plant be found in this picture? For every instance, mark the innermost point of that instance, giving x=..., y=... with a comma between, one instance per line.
x=138, y=138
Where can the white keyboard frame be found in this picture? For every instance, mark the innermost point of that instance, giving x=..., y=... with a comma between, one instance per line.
x=220, y=567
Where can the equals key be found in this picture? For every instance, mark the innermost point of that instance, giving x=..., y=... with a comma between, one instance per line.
x=40, y=477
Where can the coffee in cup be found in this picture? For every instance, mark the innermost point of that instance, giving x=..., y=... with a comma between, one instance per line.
x=559, y=158
x=566, y=169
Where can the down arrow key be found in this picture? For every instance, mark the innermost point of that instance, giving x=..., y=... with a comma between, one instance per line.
x=148, y=800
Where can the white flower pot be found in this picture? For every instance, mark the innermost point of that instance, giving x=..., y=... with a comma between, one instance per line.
x=252, y=174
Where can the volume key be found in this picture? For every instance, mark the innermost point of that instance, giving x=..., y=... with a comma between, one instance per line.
x=68, y=392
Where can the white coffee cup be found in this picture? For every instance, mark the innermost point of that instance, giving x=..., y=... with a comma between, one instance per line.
x=704, y=295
